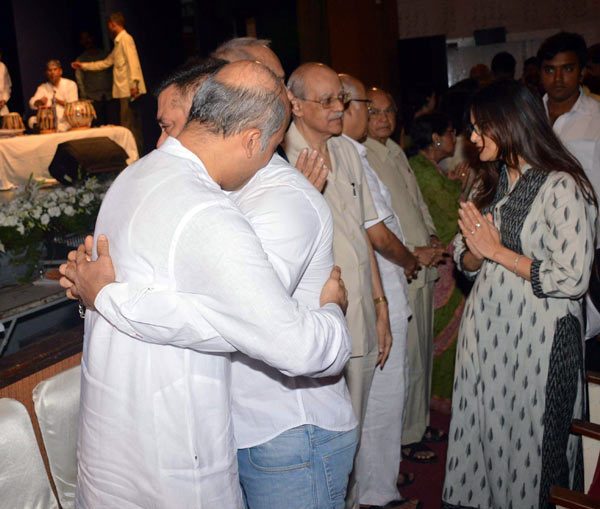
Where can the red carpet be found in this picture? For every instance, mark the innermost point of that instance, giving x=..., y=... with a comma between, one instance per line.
x=429, y=478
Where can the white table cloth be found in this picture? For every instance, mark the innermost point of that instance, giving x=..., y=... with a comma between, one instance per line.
x=21, y=156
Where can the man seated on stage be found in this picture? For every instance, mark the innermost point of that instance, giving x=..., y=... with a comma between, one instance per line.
x=57, y=91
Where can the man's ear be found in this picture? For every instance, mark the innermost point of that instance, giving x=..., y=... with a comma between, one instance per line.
x=296, y=104
x=251, y=142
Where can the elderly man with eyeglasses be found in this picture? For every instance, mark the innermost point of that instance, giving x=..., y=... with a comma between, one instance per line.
x=318, y=104
x=391, y=165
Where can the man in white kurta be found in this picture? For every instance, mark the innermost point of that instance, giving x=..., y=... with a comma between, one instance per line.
x=379, y=456
x=128, y=79
x=5, y=87
x=155, y=425
x=390, y=163
x=55, y=93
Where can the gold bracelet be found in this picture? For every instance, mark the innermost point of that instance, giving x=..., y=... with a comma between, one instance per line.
x=379, y=300
x=516, y=263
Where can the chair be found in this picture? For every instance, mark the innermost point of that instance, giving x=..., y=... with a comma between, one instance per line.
x=590, y=432
x=23, y=479
x=56, y=403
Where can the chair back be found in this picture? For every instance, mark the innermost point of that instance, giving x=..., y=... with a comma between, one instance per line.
x=23, y=479
x=56, y=403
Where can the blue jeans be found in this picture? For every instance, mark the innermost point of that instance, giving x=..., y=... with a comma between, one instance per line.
x=302, y=468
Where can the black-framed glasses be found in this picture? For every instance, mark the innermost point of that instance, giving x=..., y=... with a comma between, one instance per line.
x=328, y=102
x=473, y=128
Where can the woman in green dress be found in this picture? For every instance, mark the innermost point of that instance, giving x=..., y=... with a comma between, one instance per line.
x=434, y=139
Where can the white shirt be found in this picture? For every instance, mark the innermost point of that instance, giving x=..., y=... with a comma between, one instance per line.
x=579, y=130
x=66, y=91
x=393, y=279
x=126, y=66
x=5, y=86
x=294, y=224
x=155, y=423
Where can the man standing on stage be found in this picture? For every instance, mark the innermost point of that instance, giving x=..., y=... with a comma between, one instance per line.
x=128, y=80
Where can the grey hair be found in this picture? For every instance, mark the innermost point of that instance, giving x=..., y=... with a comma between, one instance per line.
x=235, y=49
x=228, y=110
x=296, y=84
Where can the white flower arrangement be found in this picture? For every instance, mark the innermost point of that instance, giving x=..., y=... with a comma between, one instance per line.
x=37, y=212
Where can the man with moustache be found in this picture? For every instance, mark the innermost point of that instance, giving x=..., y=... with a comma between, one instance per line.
x=318, y=102
x=390, y=163
x=379, y=456
x=143, y=385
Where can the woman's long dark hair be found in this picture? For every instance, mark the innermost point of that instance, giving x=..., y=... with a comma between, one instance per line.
x=508, y=113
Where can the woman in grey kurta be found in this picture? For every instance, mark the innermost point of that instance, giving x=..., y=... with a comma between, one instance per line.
x=519, y=367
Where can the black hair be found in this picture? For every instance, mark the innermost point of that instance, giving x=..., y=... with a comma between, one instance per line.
x=504, y=64
x=508, y=113
x=562, y=42
x=189, y=75
x=425, y=126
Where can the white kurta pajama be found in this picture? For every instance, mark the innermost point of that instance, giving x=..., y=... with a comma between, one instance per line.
x=155, y=424
x=66, y=91
x=379, y=455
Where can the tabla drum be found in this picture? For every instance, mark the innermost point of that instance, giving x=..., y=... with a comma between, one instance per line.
x=46, y=119
x=79, y=114
x=12, y=121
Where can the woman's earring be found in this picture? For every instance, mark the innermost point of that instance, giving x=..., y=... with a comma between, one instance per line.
x=438, y=143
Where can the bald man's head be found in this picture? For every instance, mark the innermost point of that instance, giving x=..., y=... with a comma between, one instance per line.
x=382, y=116
x=250, y=48
x=356, y=116
x=318, y=99
x=241, y=95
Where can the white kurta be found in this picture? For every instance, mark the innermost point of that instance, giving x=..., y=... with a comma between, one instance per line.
x=5, y=87
x=126, y=66
x=66, y=91
x=155, y=425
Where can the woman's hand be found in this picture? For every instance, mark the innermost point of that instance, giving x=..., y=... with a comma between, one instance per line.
x=480, y=233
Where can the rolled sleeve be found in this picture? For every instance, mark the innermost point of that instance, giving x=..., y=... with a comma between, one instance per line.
x=569, y=244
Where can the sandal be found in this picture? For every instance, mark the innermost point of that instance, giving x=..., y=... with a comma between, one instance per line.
x=434, y=435
x=405, y=479
x=411, y=452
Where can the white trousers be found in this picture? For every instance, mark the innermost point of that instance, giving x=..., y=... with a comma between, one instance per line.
x=379, y=456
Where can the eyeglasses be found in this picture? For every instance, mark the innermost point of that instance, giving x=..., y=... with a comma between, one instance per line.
x=328, y=102
x=367, y=101
x=473, y=128
x=388, y=111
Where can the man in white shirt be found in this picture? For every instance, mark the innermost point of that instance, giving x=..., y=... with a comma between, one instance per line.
x=190, y=237
x=128, y=80
x=575, y=117
x=55, y=92
x=5, y=86
x=379, y=456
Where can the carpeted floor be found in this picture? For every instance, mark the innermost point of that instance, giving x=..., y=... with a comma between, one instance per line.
x=429, y=478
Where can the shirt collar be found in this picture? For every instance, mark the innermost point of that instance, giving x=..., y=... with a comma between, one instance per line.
x=360, y=148
x=174, y=147
x=120, y=35
x=580, y=106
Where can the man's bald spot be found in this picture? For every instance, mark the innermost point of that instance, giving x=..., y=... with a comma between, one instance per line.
x=304, y=74
x=377, y=93
x=353, y=85
x=249, y=74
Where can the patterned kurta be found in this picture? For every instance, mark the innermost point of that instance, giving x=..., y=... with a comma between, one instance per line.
x=519, y=366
